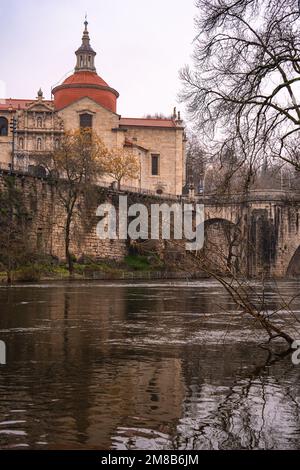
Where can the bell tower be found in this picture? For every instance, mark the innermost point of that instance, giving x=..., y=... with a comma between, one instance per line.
x=85, y=54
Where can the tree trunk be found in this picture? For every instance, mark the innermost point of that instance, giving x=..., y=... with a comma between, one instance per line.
x=67, y=244
x=9, y=278
x=9, y=270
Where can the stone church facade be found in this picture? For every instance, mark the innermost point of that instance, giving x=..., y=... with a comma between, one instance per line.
x=85, y=100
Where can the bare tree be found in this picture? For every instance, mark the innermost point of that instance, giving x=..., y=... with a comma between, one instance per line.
x=243, y=90
x=242, y=95
x=281, y=323
x=195, y=162
x=157, y=116
x=75, y=168
x=217, y=261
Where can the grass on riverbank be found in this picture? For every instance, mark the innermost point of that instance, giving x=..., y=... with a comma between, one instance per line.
x=43, y=271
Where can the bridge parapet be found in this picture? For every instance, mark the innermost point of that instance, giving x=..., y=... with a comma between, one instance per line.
x=270, y=196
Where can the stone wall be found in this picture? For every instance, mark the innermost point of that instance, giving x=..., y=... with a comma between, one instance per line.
x=5, y=150
x=47, y=214
x=103, y=120
x=260, y=234
x=169, y=144
x=46, y=227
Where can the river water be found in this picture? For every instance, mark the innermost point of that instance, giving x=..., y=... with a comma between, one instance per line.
x=163, y=365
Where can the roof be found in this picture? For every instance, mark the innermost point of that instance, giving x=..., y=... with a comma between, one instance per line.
x=85, y=78
x=130, y=143
x=140, y=122
x=14, y=104
x=89, y=77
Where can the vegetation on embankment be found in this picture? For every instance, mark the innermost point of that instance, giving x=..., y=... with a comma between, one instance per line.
x=40, y=270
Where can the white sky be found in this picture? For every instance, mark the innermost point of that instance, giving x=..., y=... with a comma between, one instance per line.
x=140, y=45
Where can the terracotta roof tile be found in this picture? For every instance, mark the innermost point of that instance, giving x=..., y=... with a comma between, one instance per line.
x=85, y=78
x=18, y=104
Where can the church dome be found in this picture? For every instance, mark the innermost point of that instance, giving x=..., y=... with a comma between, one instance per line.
x=85, y=78
x=85, y=82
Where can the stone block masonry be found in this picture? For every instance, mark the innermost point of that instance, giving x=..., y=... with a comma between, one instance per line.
x=258, y=233
x=46, y=227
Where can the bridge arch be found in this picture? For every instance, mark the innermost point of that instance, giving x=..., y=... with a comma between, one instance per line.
x=293, y=269
x=219, y=220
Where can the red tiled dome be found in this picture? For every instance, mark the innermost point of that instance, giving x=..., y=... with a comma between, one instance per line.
x=91, y=78
x=85, y=84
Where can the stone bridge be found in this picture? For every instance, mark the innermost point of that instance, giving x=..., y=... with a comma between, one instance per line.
x=268, y=226
x=258, y=232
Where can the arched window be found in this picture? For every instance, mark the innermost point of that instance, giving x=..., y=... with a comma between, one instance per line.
x=81, y=61
x=56, y=144
x=39, y=144
x=39, y=122
x=86, y=121
x=21, y=143
x=3, y=126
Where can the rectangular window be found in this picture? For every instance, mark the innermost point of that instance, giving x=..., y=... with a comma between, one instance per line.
x=155, y=165
x=86, y=121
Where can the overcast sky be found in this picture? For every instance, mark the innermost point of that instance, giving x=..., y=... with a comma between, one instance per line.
x=140, y=45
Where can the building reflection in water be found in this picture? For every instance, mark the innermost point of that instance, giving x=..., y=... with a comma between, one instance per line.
x=150, y=366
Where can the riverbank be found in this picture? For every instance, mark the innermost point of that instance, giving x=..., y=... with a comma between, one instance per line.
x=133, y=268
x=121, y=276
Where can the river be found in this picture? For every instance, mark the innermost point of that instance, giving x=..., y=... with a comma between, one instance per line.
x=161, y=365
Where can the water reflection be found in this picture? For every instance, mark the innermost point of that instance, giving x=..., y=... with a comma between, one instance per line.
x=141, y=366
